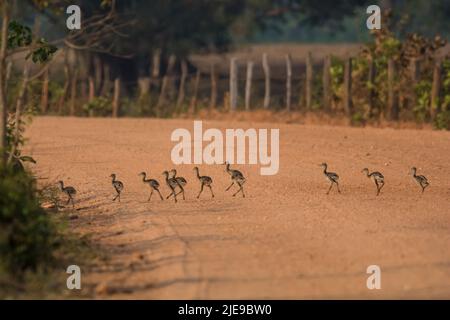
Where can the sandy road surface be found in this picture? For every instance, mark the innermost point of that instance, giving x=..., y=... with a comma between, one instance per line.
x=287, y=239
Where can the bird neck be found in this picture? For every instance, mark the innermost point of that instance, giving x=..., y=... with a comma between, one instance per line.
x=61, y=185
x=325, y=170
x=143, y=177
x=198, y=174
x=367, y=174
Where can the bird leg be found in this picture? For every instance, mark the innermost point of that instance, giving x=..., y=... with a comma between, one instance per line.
x=160, y=194
x=331, y=186
x=240, y=189
x=201, y=189
x=378, y=187
x=229, y=186
x=210, y=188
x=337, y=185
x=149, y=198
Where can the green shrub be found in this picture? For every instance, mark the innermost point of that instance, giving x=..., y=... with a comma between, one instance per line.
x=99, y=106
x=27, y=235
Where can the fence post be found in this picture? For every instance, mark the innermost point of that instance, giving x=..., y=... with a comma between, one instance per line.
x=348, y=106
x=392, y=96
x=181, y=89
x=371, y=81
x=288, y=82
x=73, y=92
x=116, y=98
x=233, y=84
x=326, y=80
x=309, y=80
x=248, y=85
x=213, y=99
x=193, y=105
x=435, y=90
x=266, y=68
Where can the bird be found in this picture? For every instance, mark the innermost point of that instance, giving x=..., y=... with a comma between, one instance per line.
x=377, y=177
x=205, y=181
x=172, y=184
x=236, y=177
x=154, y=184
x=118, y=186
x=421, y=180
x=69, y=191
x=330, y=176
x=180, y=181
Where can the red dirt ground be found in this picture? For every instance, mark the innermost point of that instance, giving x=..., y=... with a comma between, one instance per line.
x=287, y=239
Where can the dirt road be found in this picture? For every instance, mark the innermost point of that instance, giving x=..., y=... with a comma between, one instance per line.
x=286, y=239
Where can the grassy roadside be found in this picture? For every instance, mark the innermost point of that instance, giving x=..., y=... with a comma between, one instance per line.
x=36, y=244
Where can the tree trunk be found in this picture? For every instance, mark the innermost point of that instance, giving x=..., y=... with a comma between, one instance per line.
x=62, y=98
x=233, y=84
x=213, y=100
x=248, y=85
x=266, y=69
x=98, y=73
x=348, y=105
x=155, y=69
x=107, y=80
x=44, y=95
x=116, y=98
x=182, y=88
x=326, y=80
x=3, y=106
x=18, y=115
x=309, y=81
x=436, y=90
x=288, y=82
x=166, y=81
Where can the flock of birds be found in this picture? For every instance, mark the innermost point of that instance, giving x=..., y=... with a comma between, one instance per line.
x=176, y=184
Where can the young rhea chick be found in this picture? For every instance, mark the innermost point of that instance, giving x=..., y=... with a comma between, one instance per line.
x=205, y=181
x=117, y=185
x=421, y=180
x=172, y=184
x=154, y=185
x=69, y=191
x=377, y=177
x=181, y=182
x=236, y=177
x=330, y=176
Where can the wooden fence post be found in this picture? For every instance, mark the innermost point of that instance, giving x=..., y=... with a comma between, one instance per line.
x=436, y=90
x=326, y=81
x=248, y=85
x=309, y=81
x=73, y=92
x=193, y=105
x=266, y=68
x=371, y=81
x=181, y=89
x=392, y=95
x=116, y=98
x=213, y=99
x=233, y=84
x=288, y=82
x=348, y=106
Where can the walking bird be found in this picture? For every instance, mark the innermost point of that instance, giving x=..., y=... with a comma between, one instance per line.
x=172, y=184
x=205, y=181
x=330, y=176
x=69, y=191
x=421, y=180
x=180, y=181
x=377, y=177
x=154, y=185
x=118, y=186
x=236, y=177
